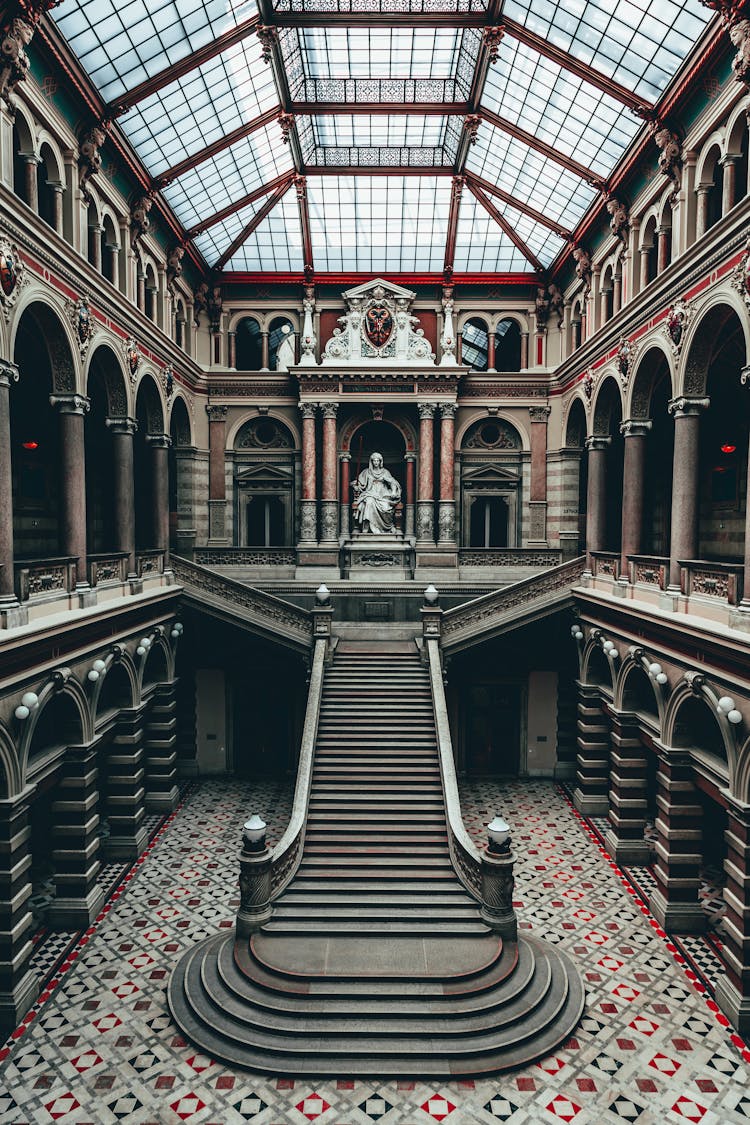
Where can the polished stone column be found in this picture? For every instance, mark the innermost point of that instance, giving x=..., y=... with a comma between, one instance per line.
x=447, y=507
x=75, y=836
x=733, y=989
x=233, y=350
x=57, y=190
x=679, y=845
x=604, y=305
x=159, y=445
x=96, y=248
x=617, y=293
x=126, y=807
x=10, y=611
x=491, y=351
x=410, y=459
x=426, y=495
x=635, y=431
x=308, y=511
x=728, y=183
x=591, y=795
x=31, y=163
x=19, y=986
x=71, y=409
x=329, y=507
x=701, y=216
x=141, y=291
x=524, y=350
x=628, y=794
x=264, y=351
x=217, y=487
x=575, y=335
x=123, y=500
x=596, y=499
x=346, y=501
x=538, y=417
x=684, y=542
x=662, y=260
x=160, y=743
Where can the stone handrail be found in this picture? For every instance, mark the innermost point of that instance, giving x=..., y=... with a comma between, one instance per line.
x=465, y=857
x=509, y=556
x=484, y=616
x=272, y=616
x=286, y=856
x=44, y=578
x=723, y=581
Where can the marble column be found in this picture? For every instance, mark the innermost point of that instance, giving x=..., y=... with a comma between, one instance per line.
x=71, y=409
x=159, y=445
x=538, y=416
x=264, y=351
x=233, y=350
x=217, y=486
x=410, y=459
x=31, y=163
x=745, y=603
x=644, y=259
x=701, y=216
x=604, y=305
x=346, y=496
x=308, y=509
x=447, y=506
x=11, y=612
x=733, y=988
x=525, y=350
x=19, y=986
x=141, y=291
x=679, y=846
x=628, y=794
x=596, y=498
x=126, y=808
x=728, y=183
x=96, y=247
x=491, y=351
x=123, y=501
x=57, y=190
x=329, y=507
x=575, y=334
x=635, y=432
x=160, y=743
x=684, y=541
x=75, y=837
x=617, y=288
x=662, y=260
x=426, y=494
x=591, y=794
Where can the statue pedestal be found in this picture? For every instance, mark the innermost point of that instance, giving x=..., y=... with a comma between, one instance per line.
x=381, y=557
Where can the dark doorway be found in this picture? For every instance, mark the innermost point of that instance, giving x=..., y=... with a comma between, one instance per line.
x=265, y=521
x=489, y=522
x=493, y=729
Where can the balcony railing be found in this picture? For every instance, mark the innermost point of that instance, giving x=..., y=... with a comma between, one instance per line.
x=43, y=579
x=648, y=570
x=245, y=556
x=605, y=564
x=107, y=569
x=509, y=556
x=149, y=563
x=722, y=581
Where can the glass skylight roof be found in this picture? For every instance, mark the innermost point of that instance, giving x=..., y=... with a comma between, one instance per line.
x=369, y=222
x=641, y=43
x=529, y=177
x=206, y=104
x=276, y=244
x=232, y=174
x=376, y=224
x=122, y=44
x=572, y=116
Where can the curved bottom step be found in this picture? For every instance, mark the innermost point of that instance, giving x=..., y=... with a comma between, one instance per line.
x=499, y=1021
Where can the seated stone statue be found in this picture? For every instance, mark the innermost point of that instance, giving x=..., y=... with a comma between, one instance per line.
x=377, y=493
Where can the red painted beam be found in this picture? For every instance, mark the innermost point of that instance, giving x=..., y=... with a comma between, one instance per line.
x=254, y=223
x=217, y=146
x=529, y=139
x=238, y=204
x=450, y=241
x=505, y=227
x=179, y=69
x=304, y=219
x=537, y=216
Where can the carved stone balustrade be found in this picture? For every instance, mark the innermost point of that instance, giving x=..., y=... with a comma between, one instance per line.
x=149, y=563
x=605, y=564
x=722, y=581
x=44, y=579
x=107, y=569
x=509, y=556
x=648, y=570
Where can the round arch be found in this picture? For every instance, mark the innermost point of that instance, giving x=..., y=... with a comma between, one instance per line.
x=10, y=766
x=478, y=416
x=708, y=327
x=64, y=710
x=277, y=415
x=517, y=317
x=691, y=722
x=150, y=407
x=575, y=427
x=180, y=422
x=596, y=668
x=104, y=363
x=709, y=157
x=157, y=666
x=398, y=421
x=57, y=335
x=635, y=691
x=654, y=361
x=606, y=405
x=115, y=689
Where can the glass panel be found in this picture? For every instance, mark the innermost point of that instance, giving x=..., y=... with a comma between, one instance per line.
x=377, y=224
x=399, y=130
x=206, y=104
x=640, y=43
x=559, y=108
x=276, y=244
x=426, y=7
x=232, y=174
x=481, y=246
x=213, y=242
x=122, y=44
x=529, y=176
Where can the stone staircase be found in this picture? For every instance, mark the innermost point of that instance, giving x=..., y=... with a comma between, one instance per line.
x=376, y=961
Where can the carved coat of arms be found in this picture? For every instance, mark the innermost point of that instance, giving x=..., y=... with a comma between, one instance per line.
x=741, y=275
x=626, y=354
x=12, y=275
x=674, y=326
x=132, y=357
x=84, y=325
x=378, y=325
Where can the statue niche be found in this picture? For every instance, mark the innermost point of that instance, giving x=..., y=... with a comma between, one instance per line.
x=376, y=494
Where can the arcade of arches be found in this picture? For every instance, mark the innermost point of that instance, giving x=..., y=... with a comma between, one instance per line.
x=192, y=385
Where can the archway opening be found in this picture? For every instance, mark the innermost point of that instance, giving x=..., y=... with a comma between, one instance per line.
x=150, y=420
x=508, y=346
x=607, y=420
x=474, y=344
x=249, y=345
x=576, y=481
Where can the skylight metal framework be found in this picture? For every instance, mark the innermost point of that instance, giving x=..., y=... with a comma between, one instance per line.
x=529, y=105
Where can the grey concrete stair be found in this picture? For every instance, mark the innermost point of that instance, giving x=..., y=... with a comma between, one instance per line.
x=376, y=961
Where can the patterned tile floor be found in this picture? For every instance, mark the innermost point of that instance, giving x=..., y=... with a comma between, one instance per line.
x=100, y=1046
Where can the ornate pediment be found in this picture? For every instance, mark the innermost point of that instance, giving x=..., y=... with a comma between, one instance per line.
x=377, y=327
x=488, y=474
x=265, y=473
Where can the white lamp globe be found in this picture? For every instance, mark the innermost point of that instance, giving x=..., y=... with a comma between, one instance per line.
x=30, y=699
x=22, y=712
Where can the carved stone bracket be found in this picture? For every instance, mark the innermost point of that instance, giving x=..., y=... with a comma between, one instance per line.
x=670, y=154
x=582, y=260
x=139, y=221
x=89, y=157
x=619, y=221
x=167, y=381
x=588, y=384
x=14, y=62
x=734, y=16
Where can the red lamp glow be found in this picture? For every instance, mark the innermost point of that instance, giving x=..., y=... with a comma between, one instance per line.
x=728, y=448
x=30, y=445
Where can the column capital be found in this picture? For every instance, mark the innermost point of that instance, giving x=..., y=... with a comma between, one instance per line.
x=730, y=158
x=448, y=409
x=345, y=457
x=539, y=413
x=121, y=425
x=685, y=406
x=598, y=442
x=216, y=413
x=744, y=375
x=426, y=409
x=9, y=373
x=635, y=427
x=308, y=409
x=158, y=441
x=329, y=409
x=71, y=403
x=410, y=457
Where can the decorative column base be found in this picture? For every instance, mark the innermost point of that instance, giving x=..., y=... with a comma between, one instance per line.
x=409, y=521
x=15, y=1004
x=497, y=894
x=733, y=1004
x=308, y=523
x=75, y=913
x=12, y=613
x=255, y=891
x=677, y=917
x=329, y=519
x=425, y=523
x=447, y=524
